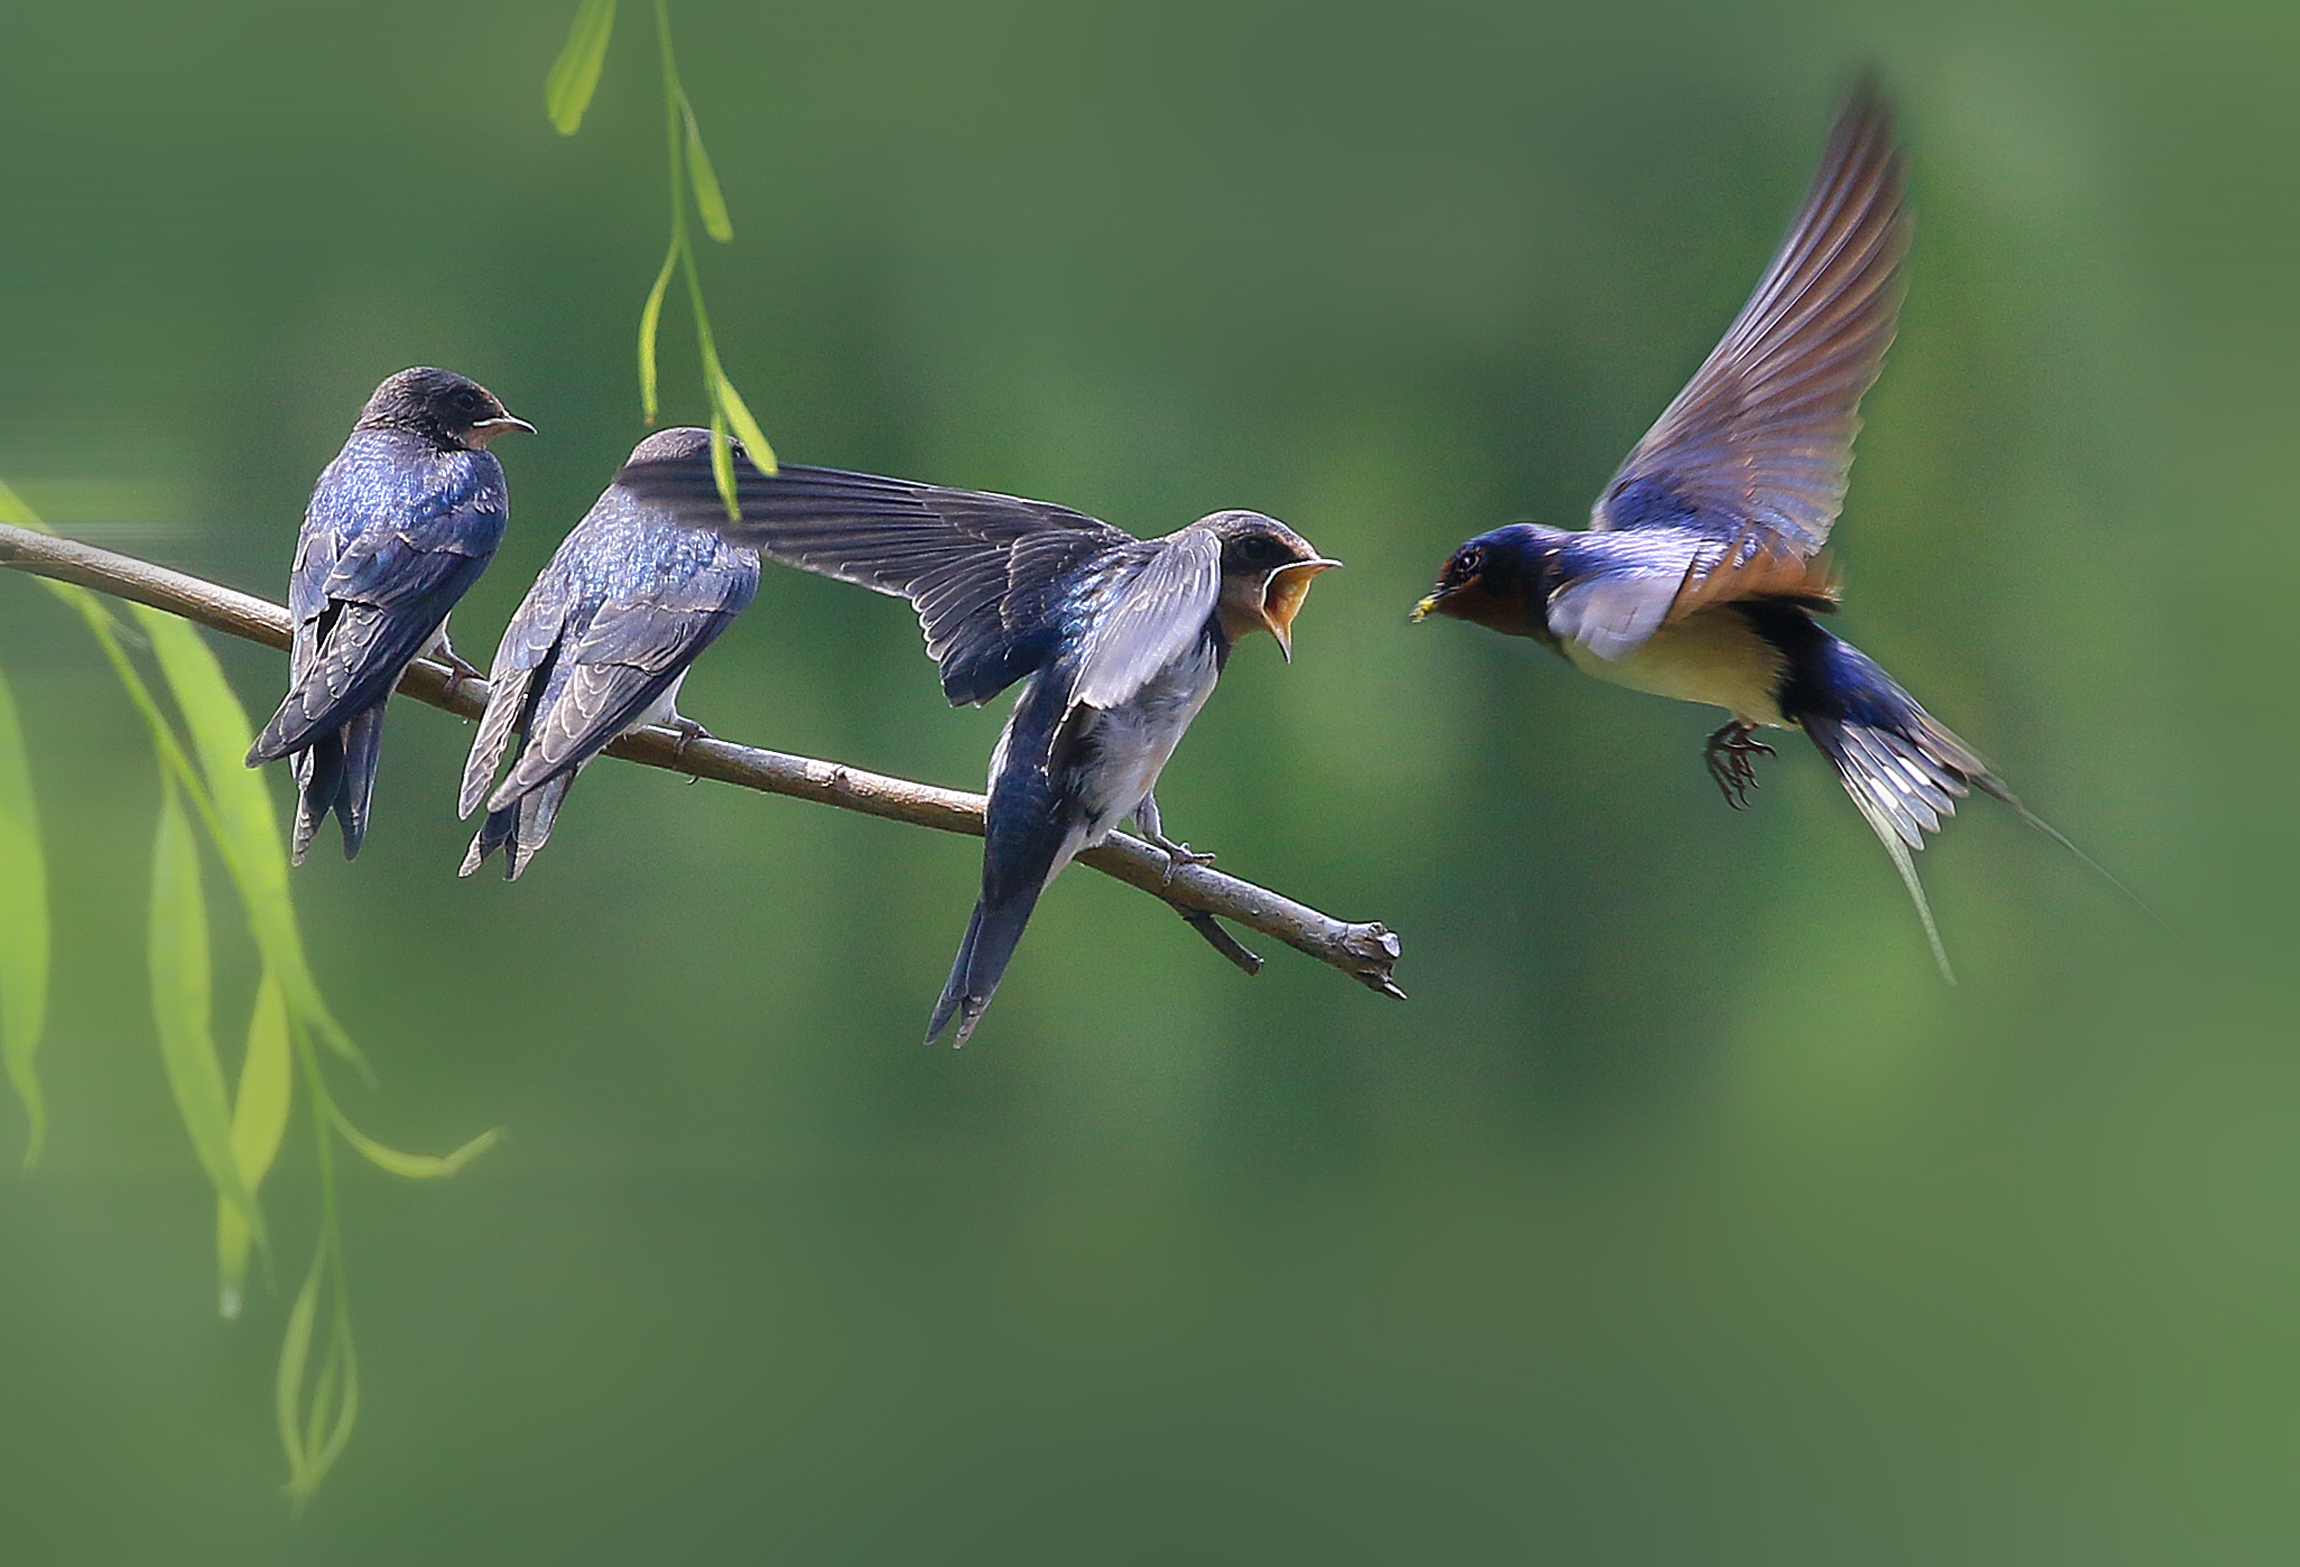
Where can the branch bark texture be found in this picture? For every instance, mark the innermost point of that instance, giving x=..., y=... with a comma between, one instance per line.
x=1367, y=952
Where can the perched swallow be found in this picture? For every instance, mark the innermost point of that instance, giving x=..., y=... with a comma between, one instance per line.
x=600, y=647
x=1703, y=569
x=1119, y=642
x=400, y=525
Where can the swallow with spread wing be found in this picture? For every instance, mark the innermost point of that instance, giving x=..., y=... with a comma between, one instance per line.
x=1118, y=642
x=599, y=647
x=1703, y=567
x=400, y=526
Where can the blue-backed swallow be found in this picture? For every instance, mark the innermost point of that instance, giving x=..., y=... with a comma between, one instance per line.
x=1703, y=568
x=400, y=525
x=1118, y=642
x=599, y=647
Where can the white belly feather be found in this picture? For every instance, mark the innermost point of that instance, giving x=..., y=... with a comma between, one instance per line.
x=1135, y=739
x=1714, y=656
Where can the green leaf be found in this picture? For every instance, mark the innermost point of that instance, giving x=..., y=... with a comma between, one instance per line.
x=710, y=204
x=287, y=1386
x=338, y=1385
x=23, y=925
x=333, y=1410
x=575, y=74
x=181, y=1004
x=650, y=319
x=746, y=428
x=13, y=510
x=259, y=1119
x=723, y=460
x=248, y=835
x=415, y=1166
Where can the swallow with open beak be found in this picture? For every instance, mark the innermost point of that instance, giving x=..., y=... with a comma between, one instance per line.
x=400, y=526
x=1703, y=568
x=599, y=647
x=1117, y=640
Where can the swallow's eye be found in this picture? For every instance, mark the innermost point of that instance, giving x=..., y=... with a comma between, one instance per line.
x=1260, y=550
x=1467, y=564
x=466, y=401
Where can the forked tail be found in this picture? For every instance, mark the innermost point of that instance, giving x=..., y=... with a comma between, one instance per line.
x=991, y=937
x=336, y=772
x=1906, y=780
x=1906, y=772
x=519, y=829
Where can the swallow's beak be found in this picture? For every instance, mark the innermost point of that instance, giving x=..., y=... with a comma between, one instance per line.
x=488, y=429
x=1426, y=608
x=1282, y=599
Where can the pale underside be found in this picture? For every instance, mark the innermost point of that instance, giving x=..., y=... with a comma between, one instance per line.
x=1714, y=656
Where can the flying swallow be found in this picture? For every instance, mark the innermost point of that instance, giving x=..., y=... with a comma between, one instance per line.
x=1703, y=566
x=400, y=525
x=1118, y=642
x=600, y=646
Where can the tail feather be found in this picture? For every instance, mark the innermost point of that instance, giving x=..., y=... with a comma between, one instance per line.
x=1993, y=786
x=991, y=937
x=318, y=773
x=1905, y=787
x=362, y=749
x=1906, y=771
x=519, y=829
x=336, y=773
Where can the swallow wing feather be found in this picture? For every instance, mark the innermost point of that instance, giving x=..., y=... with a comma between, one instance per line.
x=527, y=643
x=1152, y=611
x=1760, y=442
x=369, y=590
x=983, y=570
x=610, y=672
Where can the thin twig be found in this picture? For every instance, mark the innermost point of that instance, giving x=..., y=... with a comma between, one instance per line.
x=1366, y=952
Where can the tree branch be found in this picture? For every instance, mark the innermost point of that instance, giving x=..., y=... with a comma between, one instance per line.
x=1198, y=893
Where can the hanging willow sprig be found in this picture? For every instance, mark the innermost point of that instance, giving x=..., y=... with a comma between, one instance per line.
x=567, y=95
x=208, y=799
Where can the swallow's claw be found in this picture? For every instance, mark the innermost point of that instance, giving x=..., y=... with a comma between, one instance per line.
x=1729, y=754
x=459, y=668
x=1177, y=855
x=689, y=732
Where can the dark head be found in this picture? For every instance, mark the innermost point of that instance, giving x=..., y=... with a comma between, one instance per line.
x=451, y=411
x=680, y=444
x=1266, y=572
x=1498, y=579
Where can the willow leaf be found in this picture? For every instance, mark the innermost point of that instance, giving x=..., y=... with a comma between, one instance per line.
x=723, y=463
x=710, y=202
x=745, y=427
x=23, y=926
x=650, y=321
x=287, y=1386
x=415, y=1166
x=336, y=1394
x=13, y=510
x=247, y=833
x=575, y=74
x=181, y=1005
x=259, y=1119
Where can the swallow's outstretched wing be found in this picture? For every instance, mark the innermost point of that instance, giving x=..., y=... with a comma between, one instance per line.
x=1154, y=601
x=1733, y=491
x=983, y=570
x=1761, y=440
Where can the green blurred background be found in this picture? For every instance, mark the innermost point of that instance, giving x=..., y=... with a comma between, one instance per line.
x=1682, y=1215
